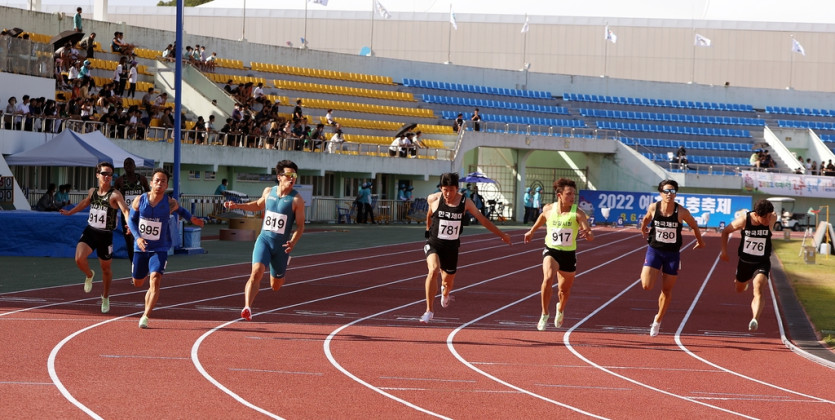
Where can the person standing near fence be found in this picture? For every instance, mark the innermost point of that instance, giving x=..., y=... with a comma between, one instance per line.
x=564, y=224
x=104, y=202
x=365, y=213
x=444, y=217
x=528, y=203
x=131, y=185
x=754, y=253
x=536, y=202
x=282, y=206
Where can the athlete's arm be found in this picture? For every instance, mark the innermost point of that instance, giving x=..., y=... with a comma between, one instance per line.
x=686, y=217
x=647, y=218
x=539, y=222
x=585, y=229
x=298, y=211
x=734, y=226
x=82, y=204
x=118, y=201
x=251, y=205
x=471, y=208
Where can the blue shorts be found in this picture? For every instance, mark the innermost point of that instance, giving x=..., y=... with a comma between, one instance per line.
x=270, y=253
x=145, y=263
x=668, y=261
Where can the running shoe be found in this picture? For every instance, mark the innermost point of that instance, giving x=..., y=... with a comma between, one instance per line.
x=88, y=282
x=543, y=322
x=427, y=316
x=105, y=305
x=558, y=319
x=246, y=314
x=143, y=322
x=654, y=329
x=746, y=286
x=753, y=325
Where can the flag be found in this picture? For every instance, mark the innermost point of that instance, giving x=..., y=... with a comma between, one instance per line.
x=701, y=41
x=525, y=27
x=452, y=20
x=796, y=47
x=322, y=2
x=610, y=36
x=382, y=10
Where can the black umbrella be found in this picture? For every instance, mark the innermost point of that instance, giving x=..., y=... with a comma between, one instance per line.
x=405, y=129
x=61, y=39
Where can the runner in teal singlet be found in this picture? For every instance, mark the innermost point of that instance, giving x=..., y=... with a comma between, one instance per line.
x=564, y=224
x=282, y=206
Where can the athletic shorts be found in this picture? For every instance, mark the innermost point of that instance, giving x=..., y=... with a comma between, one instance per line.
x=270, y=253
x=566, y=260
x=145, y=263
x=748, y=270
x=669, y=262
x=100, y=241
x=447, y=256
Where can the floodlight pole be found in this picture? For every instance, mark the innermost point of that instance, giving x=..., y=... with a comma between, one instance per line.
x=178, y=97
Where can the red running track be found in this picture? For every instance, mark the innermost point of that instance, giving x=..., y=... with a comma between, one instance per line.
x=341, y=340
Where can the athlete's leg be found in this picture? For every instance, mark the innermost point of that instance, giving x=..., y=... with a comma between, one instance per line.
x=664, y=299
x=254, y=283
x=276, y=282
x=152, y=295
x=448, y=281
x=564, y=282
x=549, y=270
x=82, y=251
x=106, y=277
x=433, y=263
x=757, y=303
x=648, y=277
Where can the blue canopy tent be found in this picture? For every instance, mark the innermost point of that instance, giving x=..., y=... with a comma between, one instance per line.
x=73, y=149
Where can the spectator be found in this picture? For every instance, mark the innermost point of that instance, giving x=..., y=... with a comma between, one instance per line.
x=76, y=21
x=62, y=197
x=458, y=122
x=200, y=131
x=211, y=62
x=478, y=200
x=148, y=102
x=47, y=201
x=8, y=115
x=160, y=103
x=329, y=117
x=298, y=114
x=221, y=189
x=118, y=45
x=476, y=119
x=317, y=137
x=396, y=147
x=120, y=75
x=528, y=203
x=168, y=53
x=681, y=157
x=210, y=130
x=537, y=202
x=133, y=77
x=337, y=142
x=814, y=168
x=754, y=160
x=89, y=45
x=22, y=115
x=258, y=92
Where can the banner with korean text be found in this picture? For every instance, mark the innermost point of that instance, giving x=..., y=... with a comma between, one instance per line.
x=710, y=210
x=791, y=185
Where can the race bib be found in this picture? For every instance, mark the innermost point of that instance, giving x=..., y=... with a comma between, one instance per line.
x=449, y=229
x=274, y=222
x=97, y=218
x=560, y=236
x=666, y=235
x=754, y=246
x=149, y=230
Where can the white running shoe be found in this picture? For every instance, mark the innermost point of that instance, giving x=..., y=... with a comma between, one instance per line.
x=753, y=325
x=543, y=322
x=105, y=304
x=654, y=329
x=426, y=317
x=558, y=319
x=143, y=322
x=88, y=282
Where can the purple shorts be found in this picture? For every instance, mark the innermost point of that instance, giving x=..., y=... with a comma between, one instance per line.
x=669, y=262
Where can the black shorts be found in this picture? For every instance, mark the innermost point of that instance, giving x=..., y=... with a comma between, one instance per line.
x=566, y=260
x=100, y=241
x=747, y=270
x=447, y=255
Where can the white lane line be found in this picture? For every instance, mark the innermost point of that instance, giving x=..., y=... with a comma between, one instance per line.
x=570, y=347
x=198, y=365
x=709, y=363
x=451, y=337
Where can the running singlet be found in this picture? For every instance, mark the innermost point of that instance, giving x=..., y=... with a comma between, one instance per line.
x=153, y=224
x=755, y=246
x=562, y=229
x=102, y=216
x=446, y=221
x=665, y=231
x=278, y=216
x=131, y=190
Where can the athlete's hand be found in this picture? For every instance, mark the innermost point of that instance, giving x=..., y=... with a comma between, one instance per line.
x=506, y=238
x=64, y=212
x=699, y=244
x=528, y=236
x=288, y=247
x=141, y=243
x=723, y=256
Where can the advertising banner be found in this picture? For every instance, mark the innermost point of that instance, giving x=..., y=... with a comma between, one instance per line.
x=627, y=208
x=791, y=185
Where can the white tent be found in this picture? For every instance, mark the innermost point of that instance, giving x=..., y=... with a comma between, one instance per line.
x=73, y=149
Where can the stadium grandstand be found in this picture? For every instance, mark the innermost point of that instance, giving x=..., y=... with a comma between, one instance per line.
x=616, y=102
